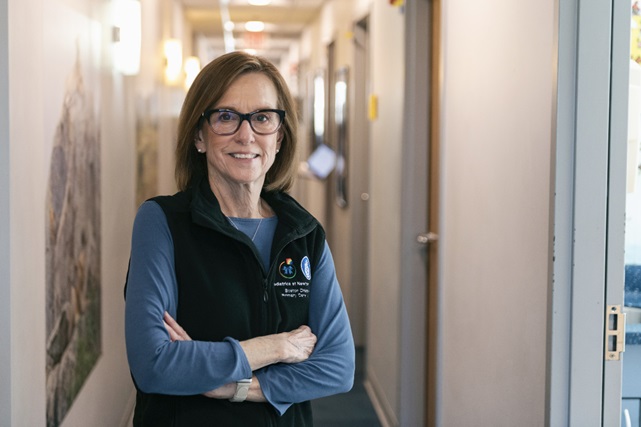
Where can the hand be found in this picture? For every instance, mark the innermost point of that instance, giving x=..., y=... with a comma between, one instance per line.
x=223, y=392
x=227, y=392
x=298, y=345
x=176, y=332
x=286, y=347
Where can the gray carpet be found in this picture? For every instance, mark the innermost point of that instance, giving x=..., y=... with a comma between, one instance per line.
x=352, y=409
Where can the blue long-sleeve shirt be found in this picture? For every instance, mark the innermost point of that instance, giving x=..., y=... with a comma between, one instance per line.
x=194, y=367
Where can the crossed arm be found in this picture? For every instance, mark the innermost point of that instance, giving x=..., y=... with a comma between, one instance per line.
x=287, y=347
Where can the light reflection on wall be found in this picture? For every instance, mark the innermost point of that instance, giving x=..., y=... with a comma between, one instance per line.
x=127, y=36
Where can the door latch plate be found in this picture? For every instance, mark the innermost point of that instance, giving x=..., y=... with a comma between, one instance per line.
x=614, y=332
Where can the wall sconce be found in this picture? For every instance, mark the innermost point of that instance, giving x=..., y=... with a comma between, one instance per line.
x=192, y=68
x=173, y=60
x=127, y=36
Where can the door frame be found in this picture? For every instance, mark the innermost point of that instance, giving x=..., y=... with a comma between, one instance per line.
x=581, y=386
x=358, y=178
x=416, y=200
x=5, y=235
x=433, y=221
x=615, y=257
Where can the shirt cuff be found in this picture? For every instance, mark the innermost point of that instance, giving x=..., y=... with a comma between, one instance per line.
x=242, y=363
x=281, y=407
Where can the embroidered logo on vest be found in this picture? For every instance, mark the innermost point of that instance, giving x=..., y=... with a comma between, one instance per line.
x=287, y=269
x=292, y=287
x=306, y=268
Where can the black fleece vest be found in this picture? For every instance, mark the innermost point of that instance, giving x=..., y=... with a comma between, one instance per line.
x=223, y=291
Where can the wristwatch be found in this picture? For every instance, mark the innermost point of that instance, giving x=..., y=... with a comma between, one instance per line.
x=242, y=389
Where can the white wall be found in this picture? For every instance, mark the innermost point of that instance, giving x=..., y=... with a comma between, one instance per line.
x=44, y=37
x=170, y=97
x=386, y=142
x=496, y=150
x=26, y=203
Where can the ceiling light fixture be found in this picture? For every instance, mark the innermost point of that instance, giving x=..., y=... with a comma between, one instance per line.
x=255, y=26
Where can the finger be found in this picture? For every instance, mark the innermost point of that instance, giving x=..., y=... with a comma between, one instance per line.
x=173, y=324
x=173, y=336
x=301, y=330
x=303, y=334
x=170, y=320
x=176, y=327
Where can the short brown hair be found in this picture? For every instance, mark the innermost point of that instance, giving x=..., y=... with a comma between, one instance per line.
x=208, y=87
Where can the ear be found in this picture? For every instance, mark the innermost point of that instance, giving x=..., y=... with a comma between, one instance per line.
x=199, y=142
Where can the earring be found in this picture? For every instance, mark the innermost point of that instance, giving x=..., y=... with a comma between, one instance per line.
x=277, y=151
x=200, y=150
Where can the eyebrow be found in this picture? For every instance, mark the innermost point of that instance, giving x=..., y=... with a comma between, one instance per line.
x=236, y=110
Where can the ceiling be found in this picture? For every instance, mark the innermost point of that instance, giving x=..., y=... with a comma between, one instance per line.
x=284, y=22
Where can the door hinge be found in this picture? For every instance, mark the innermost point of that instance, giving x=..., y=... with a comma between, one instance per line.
x=614, y=332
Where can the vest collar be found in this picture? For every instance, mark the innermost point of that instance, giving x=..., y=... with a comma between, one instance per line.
x=205, y=210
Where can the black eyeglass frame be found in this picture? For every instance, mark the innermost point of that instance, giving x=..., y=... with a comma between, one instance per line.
x=207, y=114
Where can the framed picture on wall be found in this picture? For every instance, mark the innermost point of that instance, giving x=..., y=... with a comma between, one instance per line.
x=341, y=82
x=319, y=107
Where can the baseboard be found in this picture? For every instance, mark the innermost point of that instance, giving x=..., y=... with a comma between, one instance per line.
x=382, y=408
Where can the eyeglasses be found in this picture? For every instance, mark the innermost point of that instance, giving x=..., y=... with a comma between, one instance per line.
x=227, y=122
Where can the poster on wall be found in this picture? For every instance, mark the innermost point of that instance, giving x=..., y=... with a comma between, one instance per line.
x=72, y=251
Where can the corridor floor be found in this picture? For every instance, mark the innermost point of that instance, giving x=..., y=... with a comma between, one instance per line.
x=352, y=409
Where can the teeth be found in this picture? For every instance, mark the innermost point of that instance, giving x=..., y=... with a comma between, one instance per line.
x=244, y=156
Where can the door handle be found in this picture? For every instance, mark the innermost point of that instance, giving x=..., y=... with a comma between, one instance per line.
x=426, y=238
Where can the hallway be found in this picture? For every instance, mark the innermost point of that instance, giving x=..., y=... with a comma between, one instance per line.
x=516, y=112
x=352, y=409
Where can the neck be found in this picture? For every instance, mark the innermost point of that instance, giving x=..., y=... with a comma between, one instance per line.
x=239, y=202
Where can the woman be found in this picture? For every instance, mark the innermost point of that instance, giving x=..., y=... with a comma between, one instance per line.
x=234, y=316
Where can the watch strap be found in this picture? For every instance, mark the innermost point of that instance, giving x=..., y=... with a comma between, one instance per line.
x=242, y=390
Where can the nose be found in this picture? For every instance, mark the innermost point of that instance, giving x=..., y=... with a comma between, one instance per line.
x=245, y=133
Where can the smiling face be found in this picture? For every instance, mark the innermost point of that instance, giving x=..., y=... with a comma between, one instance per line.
x=244, y=157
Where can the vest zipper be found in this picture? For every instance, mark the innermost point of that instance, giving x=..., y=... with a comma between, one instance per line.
x=265, y=293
